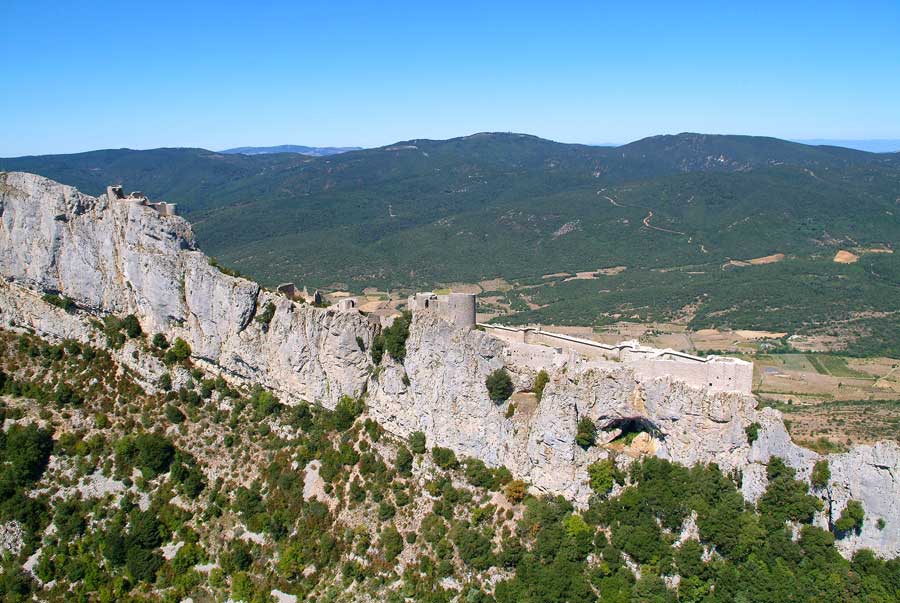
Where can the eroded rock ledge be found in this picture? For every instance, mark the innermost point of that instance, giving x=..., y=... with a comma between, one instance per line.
x=113, y=256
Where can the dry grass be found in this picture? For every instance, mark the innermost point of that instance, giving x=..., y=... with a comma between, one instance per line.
x=845, y=257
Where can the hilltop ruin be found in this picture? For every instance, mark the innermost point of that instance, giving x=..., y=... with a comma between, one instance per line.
x=121, y=255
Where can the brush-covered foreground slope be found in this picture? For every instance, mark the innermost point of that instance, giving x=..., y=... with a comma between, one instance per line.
x=422, y=213
x=202, y=490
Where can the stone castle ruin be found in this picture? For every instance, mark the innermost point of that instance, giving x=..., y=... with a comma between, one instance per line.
x=529, y=346
x=538, y=349
x=456, y=308
x=116, y=192
x=290, y=291
x=110, y=259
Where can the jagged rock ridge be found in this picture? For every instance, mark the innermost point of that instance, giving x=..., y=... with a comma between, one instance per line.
x=113, y=256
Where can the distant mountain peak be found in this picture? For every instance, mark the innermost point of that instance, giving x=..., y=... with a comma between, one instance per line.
x=290, y=148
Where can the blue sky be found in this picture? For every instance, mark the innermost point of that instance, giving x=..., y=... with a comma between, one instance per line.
x=86, y=75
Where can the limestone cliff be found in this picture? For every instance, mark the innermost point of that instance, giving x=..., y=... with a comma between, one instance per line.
x=121, y=257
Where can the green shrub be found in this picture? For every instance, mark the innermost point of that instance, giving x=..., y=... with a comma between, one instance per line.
x=264, y=403
x=65, y=395
x=131, y=326
x=26, y=452
x=165, y=382
x=417, y=442
x=378, y=348
x=821, y=473
x=174, y=414
x=851, y=518
x=395, y=336
x=69, y=519
x=346, y=412
x=586, y=434
x=386, y=510
x=391, y=542
x=237, y=558
x=786, y=498
x=540, y=382
x=142, y=564
x=404, y=461
x=444, y=458
x=223, y=269
x=752, y=432
x=478, y=474
x=474, y=547
x=185, y=472
x=179, y=351
x=159, y=341
x=266, y=316
x=66, y=303
x=150, y=452
x=603, y=476
x=499, y=385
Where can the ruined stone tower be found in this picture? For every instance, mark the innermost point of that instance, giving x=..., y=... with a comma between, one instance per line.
x=456, y=308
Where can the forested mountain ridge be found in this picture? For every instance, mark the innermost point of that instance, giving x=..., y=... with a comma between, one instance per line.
x=425, y=213
x=160, y=172
x=290, y=148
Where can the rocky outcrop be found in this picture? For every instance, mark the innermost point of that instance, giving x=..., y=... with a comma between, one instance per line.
x=870, y=475
x=122, y=257
x=117, y=256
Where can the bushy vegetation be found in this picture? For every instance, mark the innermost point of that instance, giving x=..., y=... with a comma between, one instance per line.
x=265, y=317
x=417, y=442
x=821, y=473
x=444, y=458
x=752, y=432
x=179, y=351
x=499, y=385
x=385, y=521
x=851, y=518
x=60, y=301
x=392, y=339
x=540, y=382
x=604, y=475
x=586, y=433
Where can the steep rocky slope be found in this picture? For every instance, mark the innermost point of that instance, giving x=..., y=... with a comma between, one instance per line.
x=121, y=257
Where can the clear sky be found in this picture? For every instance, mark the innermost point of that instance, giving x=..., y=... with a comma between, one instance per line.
x=86, y=75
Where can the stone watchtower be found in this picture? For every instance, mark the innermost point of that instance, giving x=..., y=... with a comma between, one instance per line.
x=456, y=308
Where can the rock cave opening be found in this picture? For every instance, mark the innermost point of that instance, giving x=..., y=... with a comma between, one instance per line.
x=630, y=427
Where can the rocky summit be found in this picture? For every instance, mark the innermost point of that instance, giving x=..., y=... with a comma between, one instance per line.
x=110, y=256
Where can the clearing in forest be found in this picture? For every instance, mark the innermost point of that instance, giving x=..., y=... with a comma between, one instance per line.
x=845, y=257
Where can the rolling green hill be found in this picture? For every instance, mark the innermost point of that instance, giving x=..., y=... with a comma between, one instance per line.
x=673, y=210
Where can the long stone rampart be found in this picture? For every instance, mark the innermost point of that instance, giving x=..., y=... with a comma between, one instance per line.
x=713, y=372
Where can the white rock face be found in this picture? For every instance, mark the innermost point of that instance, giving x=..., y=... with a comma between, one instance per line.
x=121, y=257
x=870, y=475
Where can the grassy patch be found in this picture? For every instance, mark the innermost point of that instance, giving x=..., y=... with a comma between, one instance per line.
x=817, y=364
x=838, y=367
